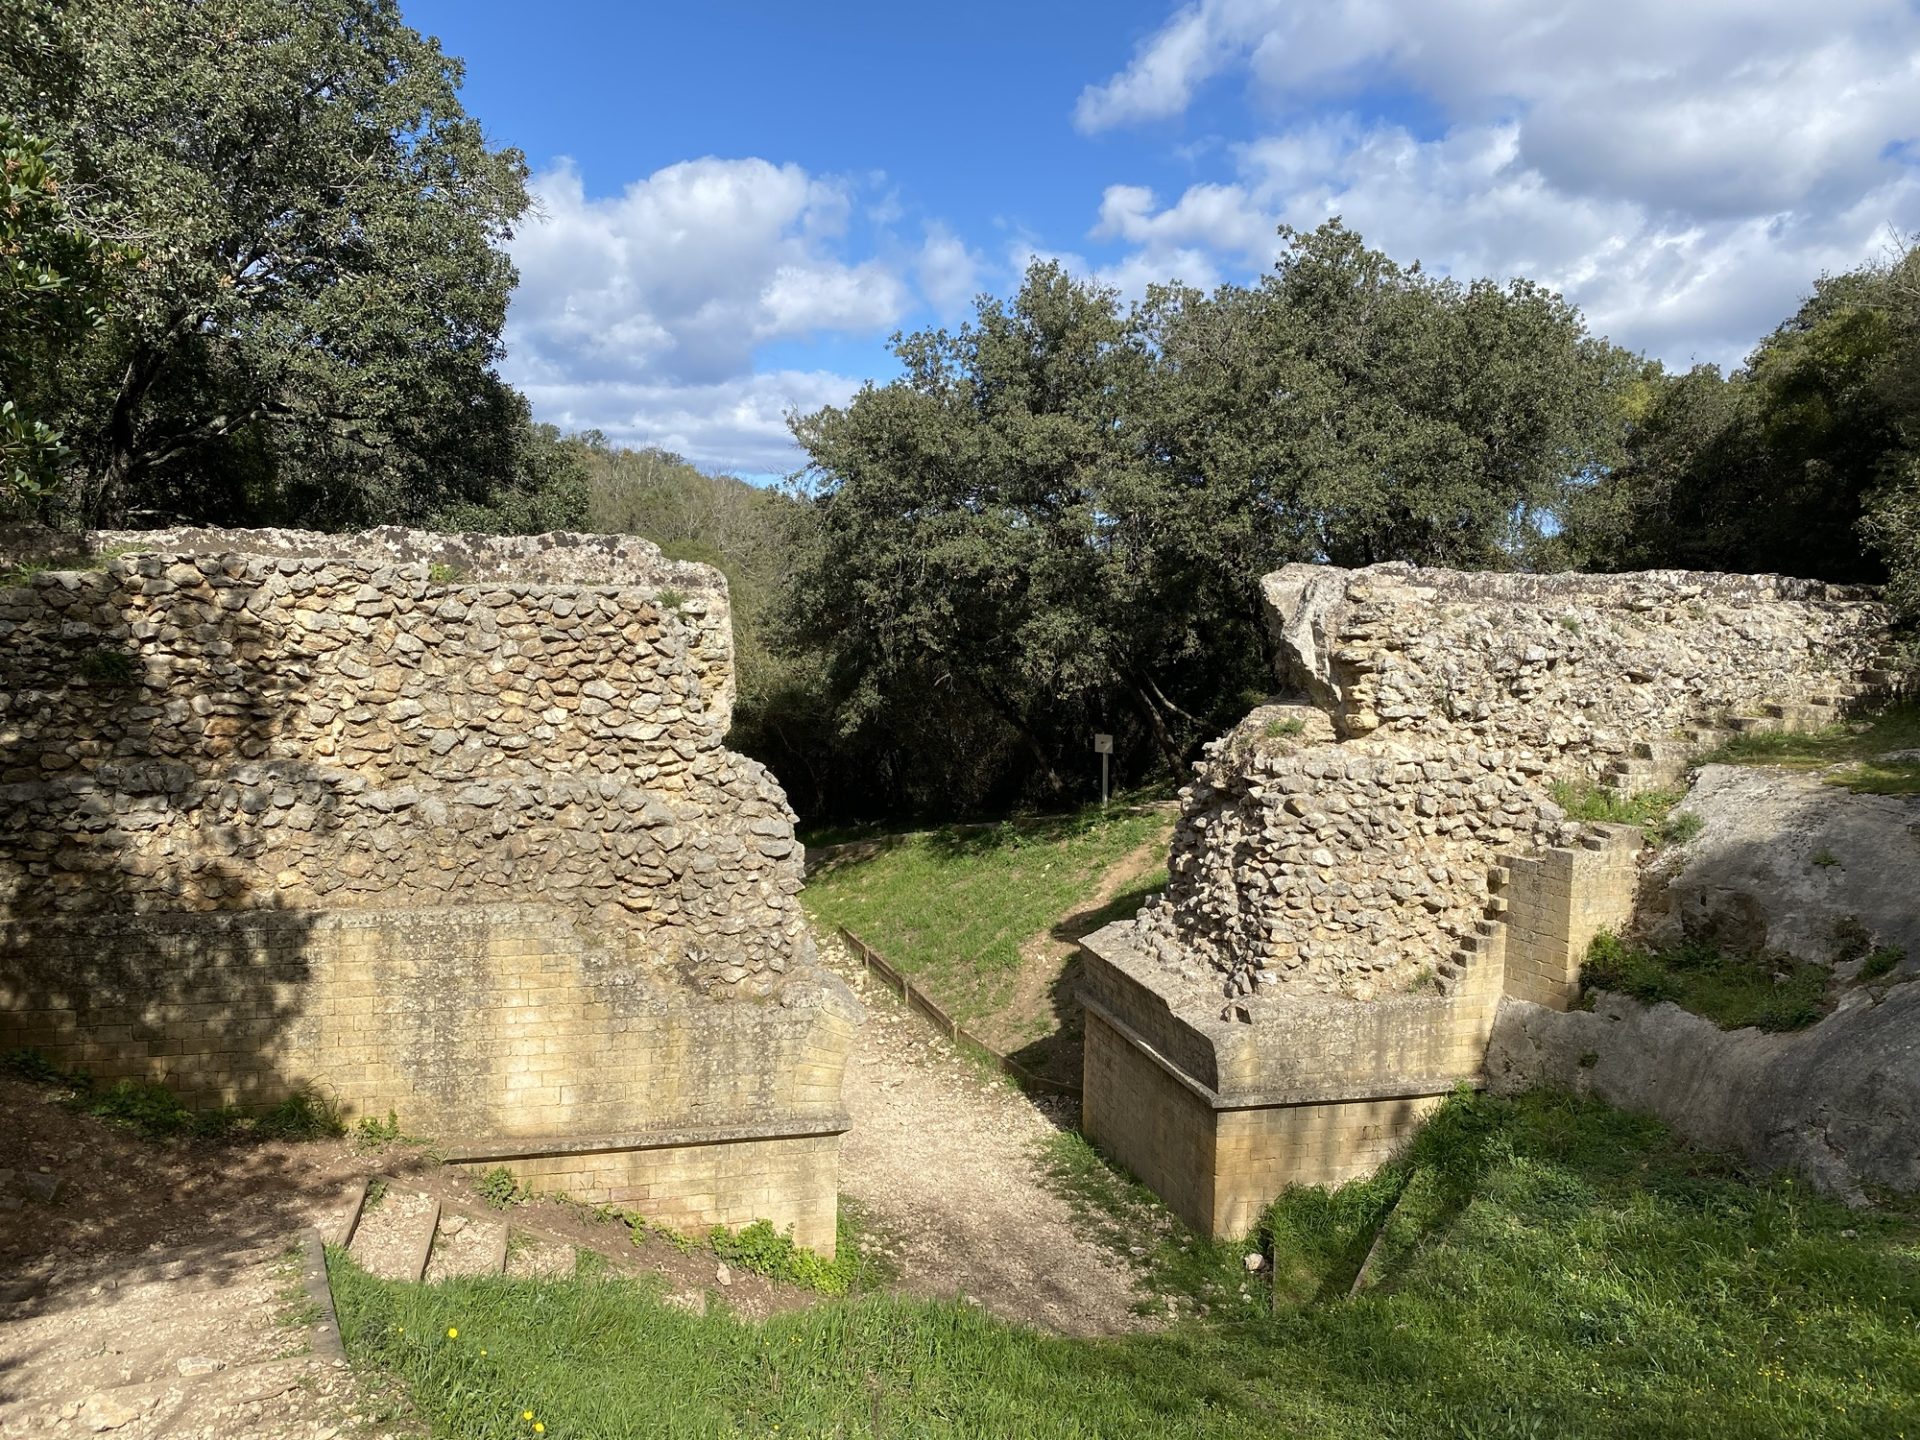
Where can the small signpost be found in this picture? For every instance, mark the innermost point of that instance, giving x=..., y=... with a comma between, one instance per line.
x=1103, y=747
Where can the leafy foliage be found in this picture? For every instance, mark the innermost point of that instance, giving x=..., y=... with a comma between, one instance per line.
x=55, y=282
x=1051, y=523
x=311, y=327
x=1806, y=461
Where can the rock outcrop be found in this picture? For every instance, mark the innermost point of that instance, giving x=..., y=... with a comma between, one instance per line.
x=1839, y=1101
x=1786, y=862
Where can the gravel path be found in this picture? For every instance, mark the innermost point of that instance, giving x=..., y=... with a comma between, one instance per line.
x=148, y=1297
x=944, y=1160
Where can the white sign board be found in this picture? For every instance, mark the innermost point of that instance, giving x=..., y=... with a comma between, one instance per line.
x=1103, y=744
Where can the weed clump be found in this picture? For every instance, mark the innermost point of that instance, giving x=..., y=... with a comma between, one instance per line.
x=1773, y=992
x=156, y=1111
x=500, y=1190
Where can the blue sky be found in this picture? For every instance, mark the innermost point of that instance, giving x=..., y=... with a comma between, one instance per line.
x=741, y=200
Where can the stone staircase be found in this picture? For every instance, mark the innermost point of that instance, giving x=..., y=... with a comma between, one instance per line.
x=1663, y=764
x=399, y=1231
x=1474, y=952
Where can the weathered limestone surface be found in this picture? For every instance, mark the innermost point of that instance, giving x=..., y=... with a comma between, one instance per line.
x=1839, y=1101
x=1573, y=667
x=1350, y=866
x=444, y=823
x=1337, y=869
x=1785, y=862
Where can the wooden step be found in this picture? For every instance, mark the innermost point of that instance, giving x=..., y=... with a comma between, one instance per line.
x=350, y=1213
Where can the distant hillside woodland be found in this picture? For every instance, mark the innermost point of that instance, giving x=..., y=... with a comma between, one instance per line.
x=252, y=271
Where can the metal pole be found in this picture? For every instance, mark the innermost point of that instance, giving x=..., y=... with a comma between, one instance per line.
x=1103, y=779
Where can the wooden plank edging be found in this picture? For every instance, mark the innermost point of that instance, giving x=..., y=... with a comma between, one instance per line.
x=931, y=1009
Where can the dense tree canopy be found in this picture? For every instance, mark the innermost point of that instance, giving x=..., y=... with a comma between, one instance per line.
x=1051, y=524
x=252, y=270
x=312, y=325
x=54, y=280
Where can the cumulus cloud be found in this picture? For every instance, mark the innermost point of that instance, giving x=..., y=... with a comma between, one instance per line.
x=1682, y=171
x=949, y=273
x=642, y=313
x=738, y=424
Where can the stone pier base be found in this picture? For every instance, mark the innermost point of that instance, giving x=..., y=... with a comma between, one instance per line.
x=1217, y=1117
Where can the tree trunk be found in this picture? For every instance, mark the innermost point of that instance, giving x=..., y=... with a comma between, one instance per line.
x=1007, y=712
x=101, y=501
x=1162, y=737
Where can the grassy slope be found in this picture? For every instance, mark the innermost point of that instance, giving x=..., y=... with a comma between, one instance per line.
x=1774, y=992
x=952, y=907
x=1852, y=748
x=1553, y=1268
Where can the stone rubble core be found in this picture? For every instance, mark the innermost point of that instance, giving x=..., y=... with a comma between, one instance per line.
x=444, y=824
x=1361, y=872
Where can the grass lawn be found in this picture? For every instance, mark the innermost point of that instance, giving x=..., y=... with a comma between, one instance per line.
x=1729, y=989
x=1850, y=748
x=1551, y=1267
x=952, y=907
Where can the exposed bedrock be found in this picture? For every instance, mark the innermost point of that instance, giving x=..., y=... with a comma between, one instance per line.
x=1787, y=862
x=1839, y=1101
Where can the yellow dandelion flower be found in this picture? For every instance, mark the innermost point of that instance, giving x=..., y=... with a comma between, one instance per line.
x=538, y=1428
x=526, y=1414
x=453, y=1333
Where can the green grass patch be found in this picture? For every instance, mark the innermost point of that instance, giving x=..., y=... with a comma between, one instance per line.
x=1583, y=801
x=1196, y=1274
x=1774, y=992
x=1552, y=1268
x=951, y=907
x=155, y=1111
x=765, y=1251
x=1849, y=751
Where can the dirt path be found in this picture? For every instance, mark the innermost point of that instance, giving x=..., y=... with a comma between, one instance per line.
x=944, y=1160
x=1044, y=957
x=148, y=1294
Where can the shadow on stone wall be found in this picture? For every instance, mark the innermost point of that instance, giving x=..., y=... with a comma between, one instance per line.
x=139, y=937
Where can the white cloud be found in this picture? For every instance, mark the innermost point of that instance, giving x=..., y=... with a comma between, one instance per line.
x=948, y=272
x=1683, y=172
x=1167, y=68
x=684, y=273
x=643, y=313
x=738, y=425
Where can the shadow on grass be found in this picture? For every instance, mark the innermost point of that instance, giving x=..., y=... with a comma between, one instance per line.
x=1058, y=1054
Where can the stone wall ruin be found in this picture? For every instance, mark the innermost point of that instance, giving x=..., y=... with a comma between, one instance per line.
x=1361, y=872
x=442, y=824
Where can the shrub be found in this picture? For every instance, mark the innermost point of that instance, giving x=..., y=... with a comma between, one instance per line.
x=1882, y=962
x=1680, y=827
x=499, y=1189
x=108, y=667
